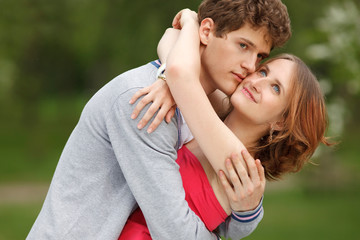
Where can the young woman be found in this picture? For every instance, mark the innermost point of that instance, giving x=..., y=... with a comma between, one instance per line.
x=278, y=114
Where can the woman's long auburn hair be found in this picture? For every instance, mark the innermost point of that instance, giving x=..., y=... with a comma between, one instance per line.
x=304, y=126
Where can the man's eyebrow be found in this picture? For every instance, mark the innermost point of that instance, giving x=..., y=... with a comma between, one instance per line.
x=248, y=42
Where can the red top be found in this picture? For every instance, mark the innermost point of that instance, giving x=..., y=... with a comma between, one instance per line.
x=198, y=193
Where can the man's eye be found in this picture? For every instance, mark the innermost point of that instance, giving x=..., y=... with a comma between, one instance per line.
x=243, y=45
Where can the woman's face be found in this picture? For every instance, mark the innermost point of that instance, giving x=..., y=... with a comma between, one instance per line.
x=263, y=95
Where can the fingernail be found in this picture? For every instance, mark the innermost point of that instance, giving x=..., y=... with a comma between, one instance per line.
x=133, y=116
x=228, y=162
x=139, y=126
x=150, y=130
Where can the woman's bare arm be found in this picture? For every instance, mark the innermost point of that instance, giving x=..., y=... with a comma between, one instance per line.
x=183, y=70
x=166, y=43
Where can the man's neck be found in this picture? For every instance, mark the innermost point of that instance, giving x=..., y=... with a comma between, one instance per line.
x=206, y=82
x=205, y=79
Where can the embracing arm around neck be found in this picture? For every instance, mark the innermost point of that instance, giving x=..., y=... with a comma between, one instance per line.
x=183, y=77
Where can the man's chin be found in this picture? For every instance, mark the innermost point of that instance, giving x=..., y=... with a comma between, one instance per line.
x=231, y=89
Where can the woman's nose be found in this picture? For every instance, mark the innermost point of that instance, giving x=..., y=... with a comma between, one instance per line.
x=257, y=84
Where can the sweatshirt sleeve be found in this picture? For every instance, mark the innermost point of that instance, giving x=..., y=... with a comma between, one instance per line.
x=148, y=164
x=241, y=224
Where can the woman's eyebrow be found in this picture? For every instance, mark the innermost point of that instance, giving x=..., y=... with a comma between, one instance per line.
x=276, y=80
x=280, y=85
x=266, y=68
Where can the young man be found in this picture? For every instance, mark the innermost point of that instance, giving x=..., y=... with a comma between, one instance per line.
x=108, y=166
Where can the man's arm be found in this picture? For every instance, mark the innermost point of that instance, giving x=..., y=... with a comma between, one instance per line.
x=148, y=164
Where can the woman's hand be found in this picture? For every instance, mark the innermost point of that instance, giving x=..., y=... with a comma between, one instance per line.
x=184, y=16
x=246, y=186
x=158, y=94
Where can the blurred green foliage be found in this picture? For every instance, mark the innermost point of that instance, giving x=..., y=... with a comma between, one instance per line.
x=54, y=55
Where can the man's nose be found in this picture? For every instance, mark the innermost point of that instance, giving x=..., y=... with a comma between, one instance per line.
x=250, y=64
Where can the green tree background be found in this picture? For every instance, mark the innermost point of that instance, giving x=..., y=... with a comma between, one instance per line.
x=54, y=55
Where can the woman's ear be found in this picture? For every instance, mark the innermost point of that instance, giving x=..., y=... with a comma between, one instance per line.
x=278, y=126
x=205, y=31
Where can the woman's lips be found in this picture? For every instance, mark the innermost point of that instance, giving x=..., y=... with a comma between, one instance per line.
x=248, y=94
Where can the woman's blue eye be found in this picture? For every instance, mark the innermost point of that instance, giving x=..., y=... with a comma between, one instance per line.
x=243, y=45
x=263, y=73
x=276, y=88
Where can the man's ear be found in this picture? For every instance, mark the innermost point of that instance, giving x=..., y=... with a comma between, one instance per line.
x=205, y=31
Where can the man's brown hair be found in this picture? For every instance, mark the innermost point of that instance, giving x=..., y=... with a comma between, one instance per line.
x=230, y=15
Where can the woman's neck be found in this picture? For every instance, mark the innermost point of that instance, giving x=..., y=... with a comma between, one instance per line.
x=245, y=131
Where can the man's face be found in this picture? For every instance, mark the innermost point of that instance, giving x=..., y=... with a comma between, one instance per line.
x=227, y=60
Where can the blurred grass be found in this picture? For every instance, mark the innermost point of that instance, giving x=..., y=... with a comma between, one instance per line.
x=317, y=216
x=17, y=219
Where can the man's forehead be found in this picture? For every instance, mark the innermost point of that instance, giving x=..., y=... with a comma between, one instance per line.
x=261, y=37
x=266, y=42
x=261, y=43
